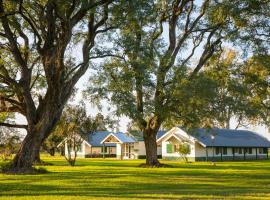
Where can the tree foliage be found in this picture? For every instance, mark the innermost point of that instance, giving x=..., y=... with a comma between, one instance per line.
x=46, y=46
x=73, y=128
x=161, y=48
x=184, y=150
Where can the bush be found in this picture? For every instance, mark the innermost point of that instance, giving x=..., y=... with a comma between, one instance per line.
x=100, y=156
x=184, y=150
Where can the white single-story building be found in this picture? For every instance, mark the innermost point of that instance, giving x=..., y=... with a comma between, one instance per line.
x=114, y=144
x=205, y=145
x=214, y=144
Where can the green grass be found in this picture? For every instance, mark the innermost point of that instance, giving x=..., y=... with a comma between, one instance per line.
x=114, y=179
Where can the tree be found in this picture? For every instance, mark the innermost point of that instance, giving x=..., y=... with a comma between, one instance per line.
x=51, y=143
x=74, y=127
x=162, y=46
x=256, y=76
x=230, y=101
x=37, y=39
x=184, y=150
x=242, y=91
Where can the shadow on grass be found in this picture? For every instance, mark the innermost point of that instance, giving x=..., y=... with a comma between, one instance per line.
x=120, y=179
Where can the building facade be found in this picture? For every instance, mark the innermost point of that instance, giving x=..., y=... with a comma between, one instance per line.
x=214, y=144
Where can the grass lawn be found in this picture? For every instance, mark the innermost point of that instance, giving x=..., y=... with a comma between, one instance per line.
x=114, y=179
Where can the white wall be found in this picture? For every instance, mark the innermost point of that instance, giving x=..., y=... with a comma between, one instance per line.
x=118, y=150
x=79, y=153
x=175, y=154
x=200, y=151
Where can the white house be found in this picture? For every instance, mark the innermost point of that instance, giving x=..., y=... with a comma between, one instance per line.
x=205, y=145
x=214, y=144
x=114, y=144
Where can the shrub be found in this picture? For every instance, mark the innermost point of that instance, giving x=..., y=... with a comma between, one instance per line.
x=184, y=150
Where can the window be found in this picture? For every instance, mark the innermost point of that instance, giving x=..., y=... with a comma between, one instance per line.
x=240, y=151
x=104, y=149
x=260, y=150
x=265, y=150
x=217, y=150
x=224, y=149
x=169, y=148
x=249, y=150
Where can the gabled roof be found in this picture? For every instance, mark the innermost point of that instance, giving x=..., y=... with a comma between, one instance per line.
x=95, y=138
x=120, y=138
x=160, y=134
x=229, y=138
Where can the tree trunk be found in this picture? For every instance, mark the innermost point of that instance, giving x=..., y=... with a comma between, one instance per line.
x=37, y=159
x=52, y=151
x=27, y=154
x=151, y=148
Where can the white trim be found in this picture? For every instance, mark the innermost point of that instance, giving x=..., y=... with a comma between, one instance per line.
x=88, y=143
x=158, y=140
x=111, y=134
x=175, y=136
x=61, y=143
x=204, y=145
x=174, y=129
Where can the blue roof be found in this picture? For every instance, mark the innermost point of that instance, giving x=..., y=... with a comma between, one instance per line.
x=124, y=137
x=160, y=134
x=94, y=139
x=229, y=138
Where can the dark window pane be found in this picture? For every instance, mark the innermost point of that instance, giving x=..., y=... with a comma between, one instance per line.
x=217, y=150
x=225, y=150
x=240, y=151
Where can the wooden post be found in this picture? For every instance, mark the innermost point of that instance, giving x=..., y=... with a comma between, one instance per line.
x=267, y=153
x=103, y=151
x=221, y=153
x=256, y=153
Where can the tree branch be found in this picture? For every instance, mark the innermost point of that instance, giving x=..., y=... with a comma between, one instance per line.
x=13, y=125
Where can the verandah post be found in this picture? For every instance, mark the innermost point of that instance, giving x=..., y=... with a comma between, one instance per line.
x=256, y=153
x=103, y=151
x=221, y=153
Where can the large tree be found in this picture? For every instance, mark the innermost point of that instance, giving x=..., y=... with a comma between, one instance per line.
x=45, y=39
x=162, y=46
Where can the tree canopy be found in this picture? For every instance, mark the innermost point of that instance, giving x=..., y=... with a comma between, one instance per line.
x=46, y=46
x=161, y=48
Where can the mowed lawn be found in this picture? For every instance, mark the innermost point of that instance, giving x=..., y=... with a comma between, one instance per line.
x=115, y=179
